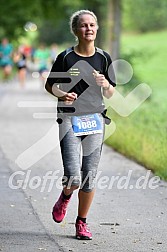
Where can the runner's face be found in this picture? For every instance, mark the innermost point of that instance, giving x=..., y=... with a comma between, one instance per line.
x=87, y=28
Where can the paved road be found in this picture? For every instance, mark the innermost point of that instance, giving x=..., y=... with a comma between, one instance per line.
x=129, y=210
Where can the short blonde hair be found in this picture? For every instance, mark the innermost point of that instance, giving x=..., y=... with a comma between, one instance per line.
x=74, y=20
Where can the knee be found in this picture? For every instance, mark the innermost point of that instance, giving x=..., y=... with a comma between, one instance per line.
x=87, y=189
x=71, y=182
x=68, y=190
x=88, y=181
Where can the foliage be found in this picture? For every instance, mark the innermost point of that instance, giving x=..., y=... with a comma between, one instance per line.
x=51, y=17
x=35, y=11
x=50, y=33
x=144, y=15
x=14, y=15
x=51, y=29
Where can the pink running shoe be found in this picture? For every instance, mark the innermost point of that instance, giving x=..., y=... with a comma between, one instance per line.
x=60, y=209
x=82, y=231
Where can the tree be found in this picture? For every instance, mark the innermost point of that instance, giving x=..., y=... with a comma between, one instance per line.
x=113, y=28
x=99, y=7
x=52, y=19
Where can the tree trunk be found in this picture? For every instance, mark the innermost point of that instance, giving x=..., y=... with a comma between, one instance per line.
x=113, y=28
x=98, y=9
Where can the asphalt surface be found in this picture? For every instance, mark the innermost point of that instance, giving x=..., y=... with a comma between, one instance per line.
x=129, y=211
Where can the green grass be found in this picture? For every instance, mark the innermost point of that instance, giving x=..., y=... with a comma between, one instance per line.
x=142, y=136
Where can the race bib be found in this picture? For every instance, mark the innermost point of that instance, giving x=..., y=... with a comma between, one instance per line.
x=86, y=124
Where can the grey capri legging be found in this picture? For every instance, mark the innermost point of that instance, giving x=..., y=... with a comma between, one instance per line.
x=80, y=155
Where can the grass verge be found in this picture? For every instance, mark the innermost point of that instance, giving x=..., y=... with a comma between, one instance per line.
x=142, y=136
